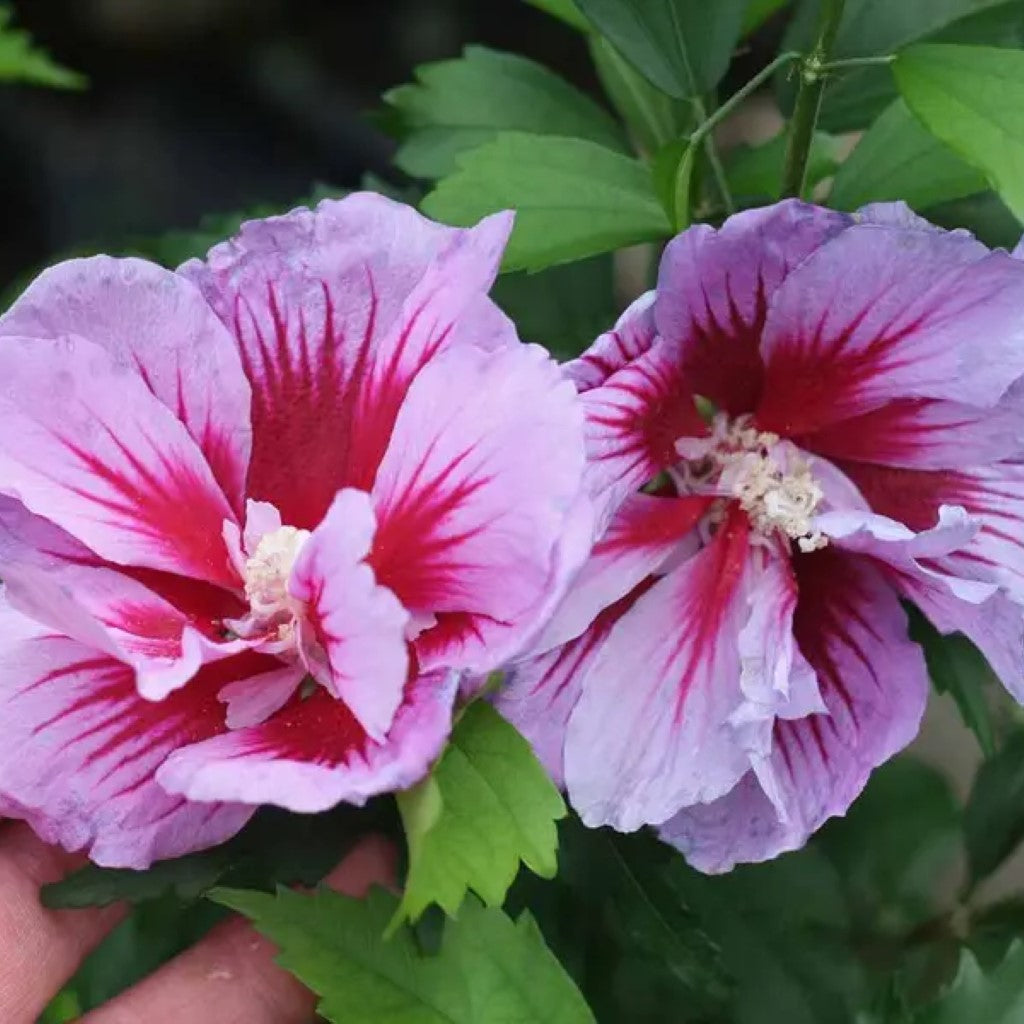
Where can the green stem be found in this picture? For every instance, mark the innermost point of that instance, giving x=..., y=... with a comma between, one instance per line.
x=740, y=95
x=852, y=63
x=808, y=100
x=721, y=181
x=708, y=123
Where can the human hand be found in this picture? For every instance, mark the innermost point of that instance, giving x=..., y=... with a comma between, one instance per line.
x=227, y=978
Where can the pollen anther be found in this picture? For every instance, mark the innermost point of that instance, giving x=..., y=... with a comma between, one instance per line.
x=779, y=496
x=267, y=571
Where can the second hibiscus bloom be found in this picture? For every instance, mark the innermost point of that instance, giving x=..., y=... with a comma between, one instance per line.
x=256, y=515
x=814, y=417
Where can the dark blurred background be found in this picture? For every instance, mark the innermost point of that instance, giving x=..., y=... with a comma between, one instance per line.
x=208, y=106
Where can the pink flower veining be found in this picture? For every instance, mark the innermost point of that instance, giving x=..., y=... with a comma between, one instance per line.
x=258, y=515
x=814, y=417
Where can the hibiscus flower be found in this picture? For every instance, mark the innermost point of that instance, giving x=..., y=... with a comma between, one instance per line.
x=258, y=514
x=812, y=419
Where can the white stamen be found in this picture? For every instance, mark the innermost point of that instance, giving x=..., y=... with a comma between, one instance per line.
x=267, y=572
x=777, y=498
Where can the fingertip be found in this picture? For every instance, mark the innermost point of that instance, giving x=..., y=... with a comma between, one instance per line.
x=373, y=861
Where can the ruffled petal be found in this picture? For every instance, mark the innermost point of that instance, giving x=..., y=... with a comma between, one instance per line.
x=313, y=753
x=646, y=531
x=989, y=619
x=633, y=334
x=650, y=733
x=869, y=533
x=254, y=699
x=715, y=286
x=353, y=632
x=476, y=498
x=164, y=626
x=776, y=679
x=633, y=422
x=117, y=615
x=85, y=444
x=992, y=496
x=853, y=632
x=335, y=311
x=883, y=313
x=81, y=748
x=156, y=323
x=538, y=695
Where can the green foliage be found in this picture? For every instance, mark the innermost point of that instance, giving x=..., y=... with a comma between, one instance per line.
x=979, y=998
x=564, y=10
x=673, y=180
x=754, y=173
x=275, y=847
x=653, y=117
x=63, y=1009
x=759, y=11
x=487, y=805
x=458, y=104
x=888, y=163
x=958, y=668
x=896, y=847
x=877, y=27
x=984, y=215
x=564, y=308
x=573, y=198
x=972, y=98
x=784, y=931
x=659, y=939
x=994, y=928
x=682, y=46
x=489, y=970
x=22, y=61
x=994, y=816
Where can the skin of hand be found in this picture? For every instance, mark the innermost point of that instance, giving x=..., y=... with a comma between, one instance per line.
x=227, y=978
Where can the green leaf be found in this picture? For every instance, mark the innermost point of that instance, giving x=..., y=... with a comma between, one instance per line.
x=979, y=998
x=972, y=98
x=487, y=805
x=754, y=173
x=564, y=308
x=490, y=970
x=631, y=877
x=888, y=163
x=64, y=1008
x=985, y=215
x=653, y=117
x=758, y=12
x=784, y=931
x=994, y=928
x=572, y=198
x=994, y=816
x=22, y=61
x=894, y=846
x=628, y=939
x=682, y=46
x=877, y=27
x=564, y=10
x=673, y=181
x=958, y=668
x=458, y=104
x=274, y=847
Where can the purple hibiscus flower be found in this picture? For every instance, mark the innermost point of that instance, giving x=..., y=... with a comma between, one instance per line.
x=813, y=418
x=255, y=516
